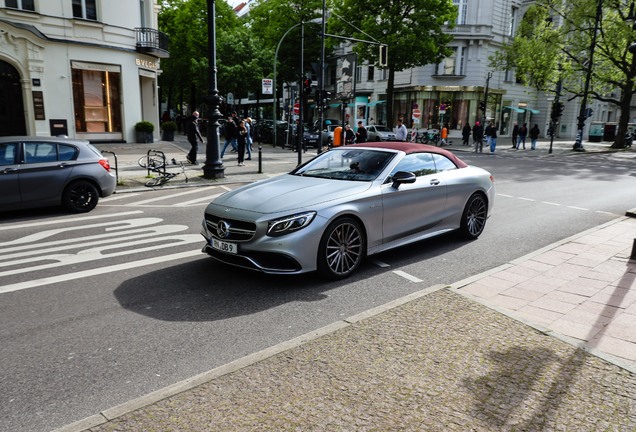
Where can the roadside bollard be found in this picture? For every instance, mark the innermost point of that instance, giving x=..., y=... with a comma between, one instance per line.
x=260, y=159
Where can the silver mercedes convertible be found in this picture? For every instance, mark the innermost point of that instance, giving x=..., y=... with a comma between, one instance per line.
x=346, y=203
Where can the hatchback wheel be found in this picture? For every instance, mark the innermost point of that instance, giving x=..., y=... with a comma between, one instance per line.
x=341, y=249
x=474, y=217
x=80, y=196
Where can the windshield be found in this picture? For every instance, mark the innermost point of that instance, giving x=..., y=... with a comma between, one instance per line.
x=345, y=164
x=383, y=129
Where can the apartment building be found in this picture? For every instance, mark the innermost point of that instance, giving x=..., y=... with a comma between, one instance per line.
x=82, y=68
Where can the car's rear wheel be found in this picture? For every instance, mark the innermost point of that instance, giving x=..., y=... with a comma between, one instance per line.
x=474, y=217
x=341, y=249
x=81, y=196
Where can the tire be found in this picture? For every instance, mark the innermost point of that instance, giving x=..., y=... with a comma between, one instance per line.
x=436, y=139
x=342, y=248
x=424, y=139
x=474, y=217
x=80, y=196
x=158, y=181
x=151, y=161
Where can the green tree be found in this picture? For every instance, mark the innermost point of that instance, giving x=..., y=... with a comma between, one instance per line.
x=412, y=29
x=553, y=43
x=269, y=21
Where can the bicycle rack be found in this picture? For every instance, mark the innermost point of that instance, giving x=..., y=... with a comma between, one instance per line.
x=116, y=166
x=163, y=165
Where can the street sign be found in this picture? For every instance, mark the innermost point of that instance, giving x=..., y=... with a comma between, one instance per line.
x=442, y=111
x=417, y=113
x=268, y=86
x=296, y=108
x=415, y=106
x=442, y=108
x=230, y=98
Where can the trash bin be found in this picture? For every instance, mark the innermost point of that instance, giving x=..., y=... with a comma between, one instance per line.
x=596, y=132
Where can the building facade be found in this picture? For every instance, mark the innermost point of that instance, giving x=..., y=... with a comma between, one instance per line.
x=450, y=91
x=82, y=68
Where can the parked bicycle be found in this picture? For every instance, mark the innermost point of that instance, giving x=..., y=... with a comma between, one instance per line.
x=429, y=136
x=155, y=161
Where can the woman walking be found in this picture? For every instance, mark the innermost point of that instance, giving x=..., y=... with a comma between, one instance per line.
x=466, y=134
x=241, y=141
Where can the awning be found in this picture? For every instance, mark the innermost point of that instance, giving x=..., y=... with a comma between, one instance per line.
x=533, y=111
x=335, y=105
x=514, y=109
x=375, y=103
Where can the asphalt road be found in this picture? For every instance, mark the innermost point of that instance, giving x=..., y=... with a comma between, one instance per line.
x=101, y=308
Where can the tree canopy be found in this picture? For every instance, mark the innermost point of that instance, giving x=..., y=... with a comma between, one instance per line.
x=553, y=42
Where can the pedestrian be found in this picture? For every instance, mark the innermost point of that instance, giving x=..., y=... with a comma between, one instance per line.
x=478, y=137
x=534, y=135
x=466, y=134
x=488, y=133
x=371, y=121
x=179, y=121
x=165, y=117
x=350, y=137
x=523, y=132
x=515, y=134
x=493, y=139
x=361, y=133
x=249, y=137
x=241, y=140
x=400, y=131
x=192, y=130
x=444, y=135
x=230, y=135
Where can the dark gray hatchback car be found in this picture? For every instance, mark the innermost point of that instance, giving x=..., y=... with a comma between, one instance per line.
x=48, y=171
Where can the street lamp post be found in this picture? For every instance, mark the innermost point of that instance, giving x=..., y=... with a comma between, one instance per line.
x=213, y=167
x=578, y=145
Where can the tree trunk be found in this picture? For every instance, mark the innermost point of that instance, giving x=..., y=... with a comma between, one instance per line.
x=169, y=106
x=626, y=99
x=389, y=97
x=193, y=98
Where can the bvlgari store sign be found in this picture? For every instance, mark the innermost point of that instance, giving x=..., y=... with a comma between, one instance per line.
x=146, y=64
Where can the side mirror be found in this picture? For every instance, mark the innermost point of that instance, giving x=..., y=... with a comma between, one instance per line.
x=403, y=177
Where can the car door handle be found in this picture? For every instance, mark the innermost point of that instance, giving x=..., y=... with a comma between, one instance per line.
x=63, y=165
x=8, y=170
x=434, y=182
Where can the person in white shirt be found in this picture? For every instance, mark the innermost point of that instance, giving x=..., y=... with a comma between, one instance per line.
x=400, y=131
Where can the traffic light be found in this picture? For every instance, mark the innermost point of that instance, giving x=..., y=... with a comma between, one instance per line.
x=325, y=99
x=557, y=111
x=384, y=55
x=482, y=106
x=307, y=86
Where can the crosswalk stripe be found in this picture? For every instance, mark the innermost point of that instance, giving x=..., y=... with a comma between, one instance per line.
x=164, y=197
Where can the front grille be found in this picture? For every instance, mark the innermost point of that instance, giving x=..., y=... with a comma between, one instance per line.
x=268, y=262
x=238, y=230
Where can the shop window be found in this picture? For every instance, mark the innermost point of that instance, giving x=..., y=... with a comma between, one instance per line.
x=462, y=7
x=96, y=98
x=20, y=4
x=85, y=9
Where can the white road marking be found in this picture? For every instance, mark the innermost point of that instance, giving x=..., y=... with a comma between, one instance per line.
x=93, y=272
x=119, y=196
x=378, y=263
x=407, y=276
x=198, y=200
x=578, y=208
x=164, y=197
x=607, y=213
x=72, y=219
x=550, y=203
x=525, y=199
x=507, y=196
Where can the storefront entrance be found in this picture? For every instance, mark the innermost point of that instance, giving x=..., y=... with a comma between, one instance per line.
x=11, y=105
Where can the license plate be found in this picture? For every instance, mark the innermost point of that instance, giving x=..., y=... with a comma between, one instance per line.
x=224, y=246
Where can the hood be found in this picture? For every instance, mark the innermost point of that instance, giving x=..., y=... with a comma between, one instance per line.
x=288, y=192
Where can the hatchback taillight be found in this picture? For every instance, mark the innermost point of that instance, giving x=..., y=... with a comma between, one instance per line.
x=105, y=164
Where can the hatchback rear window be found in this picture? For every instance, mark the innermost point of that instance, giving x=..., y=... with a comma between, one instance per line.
x=66, y=152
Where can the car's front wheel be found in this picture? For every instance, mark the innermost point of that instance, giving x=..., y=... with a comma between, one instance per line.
x=81, y=196
x=341, y=249
x=474, y=217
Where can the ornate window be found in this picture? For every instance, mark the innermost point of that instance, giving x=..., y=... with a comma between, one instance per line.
x=20, y=4
x=462, y=8
x=85, y=9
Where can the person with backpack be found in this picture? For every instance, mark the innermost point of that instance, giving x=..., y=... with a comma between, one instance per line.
x=534, y=135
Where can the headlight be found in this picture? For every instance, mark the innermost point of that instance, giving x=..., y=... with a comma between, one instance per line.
x=289, y=224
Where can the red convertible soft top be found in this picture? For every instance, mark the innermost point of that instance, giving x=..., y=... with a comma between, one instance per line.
x=408, y=147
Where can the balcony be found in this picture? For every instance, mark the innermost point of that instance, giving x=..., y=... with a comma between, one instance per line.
x=153, y=42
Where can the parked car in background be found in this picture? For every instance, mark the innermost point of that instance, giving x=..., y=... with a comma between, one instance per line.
x=380, y=133
x=327, y=134
x=264, y=132
x=326, y=123
x=47, y=171
x=310, y=136
x=349, y=202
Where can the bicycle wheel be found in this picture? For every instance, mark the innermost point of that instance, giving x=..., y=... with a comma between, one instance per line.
x=159, y=181
x=151, y=161
x=436, y=139
x=424, y=138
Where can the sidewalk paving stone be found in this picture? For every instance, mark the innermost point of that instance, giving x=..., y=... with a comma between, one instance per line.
x=439, y=363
